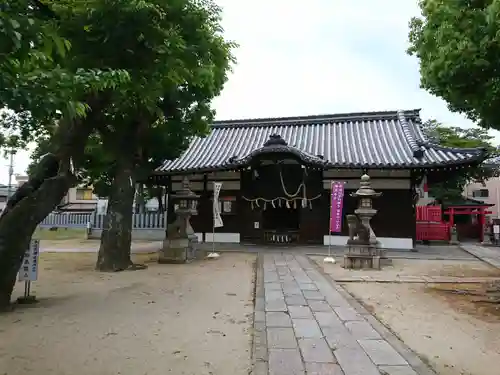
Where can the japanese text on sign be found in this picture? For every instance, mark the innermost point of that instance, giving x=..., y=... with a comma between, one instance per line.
x=29, y=266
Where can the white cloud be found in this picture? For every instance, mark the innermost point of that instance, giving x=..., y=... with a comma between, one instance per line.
x=320, y=56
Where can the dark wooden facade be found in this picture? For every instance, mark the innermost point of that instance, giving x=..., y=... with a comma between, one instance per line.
x=395, y=217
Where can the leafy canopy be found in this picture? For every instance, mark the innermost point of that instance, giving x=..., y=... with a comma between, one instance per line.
x=458, y=47
x=452, y=187
x=177, y=61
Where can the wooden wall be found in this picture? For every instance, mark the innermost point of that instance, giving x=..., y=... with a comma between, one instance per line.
x=396, y=217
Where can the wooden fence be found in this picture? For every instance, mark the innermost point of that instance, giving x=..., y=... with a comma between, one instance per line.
x=148, y=220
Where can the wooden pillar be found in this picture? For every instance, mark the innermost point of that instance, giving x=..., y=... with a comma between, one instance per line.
x=481, y=223
x=452, y=218
x=204, y=196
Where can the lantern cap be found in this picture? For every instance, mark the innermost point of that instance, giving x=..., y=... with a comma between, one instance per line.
x=365, y=190
x=185, y=192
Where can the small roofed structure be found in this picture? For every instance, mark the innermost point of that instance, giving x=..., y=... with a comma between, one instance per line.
x=277, y=173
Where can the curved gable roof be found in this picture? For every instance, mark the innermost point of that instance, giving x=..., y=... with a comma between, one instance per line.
x=390, y=139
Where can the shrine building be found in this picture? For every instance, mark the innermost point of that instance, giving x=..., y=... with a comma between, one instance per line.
x=276, y=175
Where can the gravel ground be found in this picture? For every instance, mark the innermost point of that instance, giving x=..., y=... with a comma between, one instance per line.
x=169, y=319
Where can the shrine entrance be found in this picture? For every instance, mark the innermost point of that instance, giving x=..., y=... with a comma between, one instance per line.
x=282, y=190
x=469, y=217
x=281, y=224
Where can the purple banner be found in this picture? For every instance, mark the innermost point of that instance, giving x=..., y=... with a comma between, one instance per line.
x=337, y=204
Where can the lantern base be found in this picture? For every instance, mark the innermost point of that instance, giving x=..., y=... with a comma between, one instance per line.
x=179, y=250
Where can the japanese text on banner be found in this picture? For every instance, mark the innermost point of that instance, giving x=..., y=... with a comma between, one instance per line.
x=216, y=211
x=337, y=205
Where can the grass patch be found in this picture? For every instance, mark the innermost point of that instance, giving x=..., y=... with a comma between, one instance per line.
x=59, y=234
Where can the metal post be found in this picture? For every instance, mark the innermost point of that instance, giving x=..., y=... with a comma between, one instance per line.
x=11, y=172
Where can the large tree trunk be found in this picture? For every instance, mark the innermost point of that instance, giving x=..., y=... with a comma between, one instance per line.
x=116, y=239
x=35, y=199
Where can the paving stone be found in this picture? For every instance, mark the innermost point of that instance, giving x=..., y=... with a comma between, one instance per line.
x=281, y=338
x=283, y=270
x=259, y=316
x=320, y=306
x=381, y=353
x=300, y=312
x=278, y=319
x=292, y=291
x=313, y=294
x=340, y=337
x=272, y=286
x=362, y=330
x=347, y=313
x=308, y=286
x=328, y=319
x=286, y=278
x=259, y=303
x=260, y=368
x=285, y=362
x=323, y=369
x=271, y=295
x=295, y=301
x=396, y=370
x=316, y=350
x=270, y=277
x=306, y=328
x=276, y=305
x=260, y=346
x=355, y=362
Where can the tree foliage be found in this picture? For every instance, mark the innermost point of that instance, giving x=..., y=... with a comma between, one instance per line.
x=458, y=46
x=452, y=188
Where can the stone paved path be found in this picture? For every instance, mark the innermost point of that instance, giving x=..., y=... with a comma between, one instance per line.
x=306, y=325
x=486, y=254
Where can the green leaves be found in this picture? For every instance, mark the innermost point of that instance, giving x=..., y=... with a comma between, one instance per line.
x=452, y=187
x=458, y=47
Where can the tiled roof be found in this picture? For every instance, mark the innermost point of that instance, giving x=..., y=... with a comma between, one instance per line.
x=356, y=140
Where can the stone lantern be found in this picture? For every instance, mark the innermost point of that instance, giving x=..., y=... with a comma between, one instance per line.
x=365, y=210
x=362, y=246
x=179, y=245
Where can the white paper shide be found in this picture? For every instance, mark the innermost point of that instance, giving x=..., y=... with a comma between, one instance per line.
x=216, y=208
x=29, y=266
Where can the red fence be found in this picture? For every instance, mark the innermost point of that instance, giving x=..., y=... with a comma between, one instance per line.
x=430, y=225
x=429, y=213
x=433, y=231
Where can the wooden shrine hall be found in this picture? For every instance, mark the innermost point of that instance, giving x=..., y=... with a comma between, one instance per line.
x=276, y=175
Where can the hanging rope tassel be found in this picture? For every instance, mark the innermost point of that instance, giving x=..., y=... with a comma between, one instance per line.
x=310, y=205
x=265, y=205
x=287, y=204
x=251, y=205
x=272, y=204
x=257, y=203
x=295, y=204
x=279, y=202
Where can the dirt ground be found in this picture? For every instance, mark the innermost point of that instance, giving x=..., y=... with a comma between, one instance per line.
x=448, y=332
x=169, y=319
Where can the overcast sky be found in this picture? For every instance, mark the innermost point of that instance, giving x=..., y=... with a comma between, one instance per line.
x=329, y=56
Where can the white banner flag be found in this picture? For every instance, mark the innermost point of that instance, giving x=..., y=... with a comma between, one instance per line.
x=217, y=218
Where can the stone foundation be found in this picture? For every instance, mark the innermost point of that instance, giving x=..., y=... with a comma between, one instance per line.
x=177, y=251
x=363, y=256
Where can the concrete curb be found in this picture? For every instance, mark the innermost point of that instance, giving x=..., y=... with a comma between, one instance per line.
x=259, y=342
x=491, y=262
